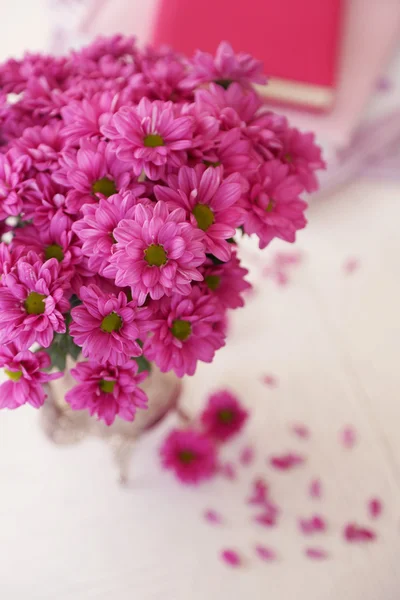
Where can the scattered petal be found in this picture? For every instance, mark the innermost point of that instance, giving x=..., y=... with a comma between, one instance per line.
x=270, y=381
x=212, y=516
x=301, y=431
x=313, y=525
x=231, y=557
x=375, y=508
x=288, y=258
x=259, y=492
x=266, y=554
x=267, y=519
x=246, y=456
x=315, y=489
x=227, y=470
x=351, y=265
x=316, y=553
x=286, y=461
x=356, y=533
x=348, y=437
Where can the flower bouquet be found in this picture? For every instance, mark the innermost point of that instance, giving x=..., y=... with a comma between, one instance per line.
x=125, y=175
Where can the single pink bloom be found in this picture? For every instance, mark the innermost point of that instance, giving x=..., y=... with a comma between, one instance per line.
x=231, y=558
x=210, y=202
x=302, y=431
x=265, y=553
x=223, y=416
x=357, y=533
x=259, y=493
x=26, y=372
x=190, y=454
x=351, y=265
x=315, y=488
x=270, y=380
x=213, y=517
x=12, y=174
x=41, y=146
x=348, y=436
x=150, y=137
x=107, y=326
x=107, y=391
x=246, y=456
x=375, y=508
x=44, y=201
x=316, y=553
x=314, y=524
x=303, y=156
x=231, y=150
x=225, y=281
x=286, y=461
x=227, y=470
x=157, y=252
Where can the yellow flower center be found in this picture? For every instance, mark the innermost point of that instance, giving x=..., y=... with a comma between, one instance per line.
x=107, y=386
x=225, y=415
x=204, y=216
x=34, y=304
x=111, y=322
x=181, y=329
x=104, y=186
x=54, y=251
x=155, y=255
x=153, y=140
x=213, y=282
x=13, y=375
x=208, y=163
x=186, y=456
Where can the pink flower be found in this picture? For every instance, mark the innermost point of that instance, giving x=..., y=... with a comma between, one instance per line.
x=209, y=201
x=303, y=157
x=223, y=416
x=163, y=76
x=46, y=201
x=24, y=370
x=186, y=330
x=225, y=281
x=91, y=173
x=274, y=208
x=107, y=390
x=375, y=508
x=190, y=454
x=157, y=252
x=270, y=380
x=107, y=327
x=150, y=137
x=231, y=558
x=96, y=228
x=41, y=145
x=12, y=173
x=32, y=302
x=356, y=533
x=287, y=461
x=231, y=151
x=225, y=68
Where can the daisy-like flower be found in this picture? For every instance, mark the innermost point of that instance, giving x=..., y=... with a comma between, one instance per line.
x=41, y=145
x=225, y=68
x=91, y=173
x=225, y=281
x=210, y=202
x=25, y=377
x=107, y=390
x=32, y=302
x=223, y=416
x=12, y=173
x=274, y=208
x=107, y=327
x=150, y=137
x=303, y=156
x=232, y=151
x=186, y=330
x=191, y=455
x=96, y=228
x=157, y=252
x=44, y=201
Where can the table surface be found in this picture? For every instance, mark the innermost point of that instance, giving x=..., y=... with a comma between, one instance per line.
x=68, y=531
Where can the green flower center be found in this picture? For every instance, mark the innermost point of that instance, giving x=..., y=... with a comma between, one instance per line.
x=111, y=322
x=213, y=282
x=155, y=255
x=226, y=415
x=209, y=163
x=107, y=386
x=186, y=456
x=34, y=304
x=288, y=157
x=153, y=140
x=204, y=216
x=54, y=251
x=181, y=329
x=270, y=206
x=13, y=375
x=225, y=83
x=104, y=186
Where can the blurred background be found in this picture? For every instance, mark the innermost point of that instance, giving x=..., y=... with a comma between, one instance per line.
x=323, y=330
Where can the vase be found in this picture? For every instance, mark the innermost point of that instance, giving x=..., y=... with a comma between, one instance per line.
x=66, y=426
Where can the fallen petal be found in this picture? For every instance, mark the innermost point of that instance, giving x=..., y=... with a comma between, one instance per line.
x=287, y=461
x=259, y=492
x=265, y=553
x=356, y=533
x=227, y=470
x=231, y=557
x=315, y=489
x=375, y=508
x=348, y=437
x=246, y=456
x=212, y=516
x=316, y=553
x=301, y=431
x=270, y=381
x=313, y=525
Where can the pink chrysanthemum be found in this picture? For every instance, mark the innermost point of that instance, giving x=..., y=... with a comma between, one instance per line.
x=232, y=151
x=190, y=454
x=225, y=281
x=107, y=327
x=209, y=201
x=26, y=376
x=186, y=330
x=45, y=200
x=12, y=173
x=303, y=156
x=107, y=391
x=91, y=173
x=150, y=136
x=96, y=228
x=41, y=145
x=32, y=302
x=157, y=252
x=225, y=68
x=223, y=416
x=274, y=208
